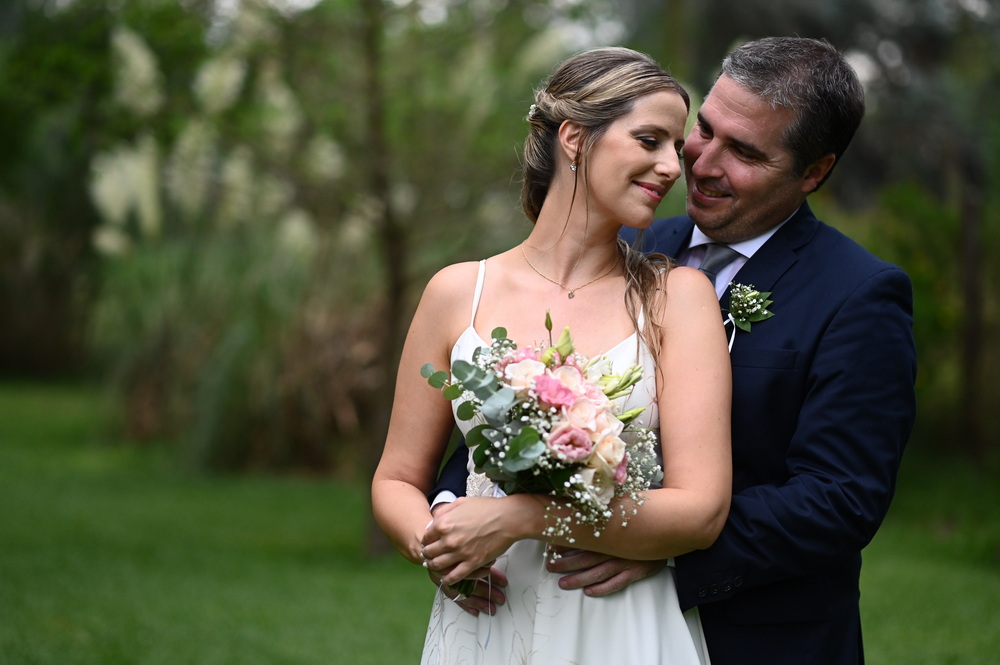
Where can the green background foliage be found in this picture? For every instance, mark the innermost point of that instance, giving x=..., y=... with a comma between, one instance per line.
x=215, y=221
x=228, y=210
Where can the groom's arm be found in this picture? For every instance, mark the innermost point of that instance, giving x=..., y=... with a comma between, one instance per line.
x=845, y=447
x=451, y=481
x=842, y=463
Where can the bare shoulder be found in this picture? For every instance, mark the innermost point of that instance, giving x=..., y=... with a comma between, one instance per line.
x=452, y=283
x=447, y=299
x=684, y=278
x=684, y=290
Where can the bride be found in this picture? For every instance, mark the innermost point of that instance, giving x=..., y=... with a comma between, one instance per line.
x=606, y=132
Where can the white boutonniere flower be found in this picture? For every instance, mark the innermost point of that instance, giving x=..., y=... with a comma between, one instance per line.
x=747, y=306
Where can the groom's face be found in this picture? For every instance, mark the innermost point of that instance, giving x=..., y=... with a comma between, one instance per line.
x=740, y=181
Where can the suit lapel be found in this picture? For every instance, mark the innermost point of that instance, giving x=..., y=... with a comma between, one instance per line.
x=778, y=254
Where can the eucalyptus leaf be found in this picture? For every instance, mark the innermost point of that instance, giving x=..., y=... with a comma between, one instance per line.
x=454, y=391
x=497, y=405
x=523, y=450
x=466, y=411
x=438, y=379
x=479, y=456
x=481, y=384
x=476, y=436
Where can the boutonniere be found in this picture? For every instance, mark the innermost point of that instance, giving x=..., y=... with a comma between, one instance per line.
x=747, y=305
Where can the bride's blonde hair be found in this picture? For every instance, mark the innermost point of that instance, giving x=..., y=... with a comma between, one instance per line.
x=593, y=89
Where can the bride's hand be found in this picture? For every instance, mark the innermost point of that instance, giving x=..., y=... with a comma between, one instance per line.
x=469, y=534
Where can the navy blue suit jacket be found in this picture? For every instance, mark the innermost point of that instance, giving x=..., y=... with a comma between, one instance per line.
x=823, y=404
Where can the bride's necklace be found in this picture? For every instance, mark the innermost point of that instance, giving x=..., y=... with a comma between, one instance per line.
x=570, y=293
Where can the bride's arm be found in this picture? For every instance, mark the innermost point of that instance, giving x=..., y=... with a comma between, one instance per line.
x=694, y=394
x=421, y=420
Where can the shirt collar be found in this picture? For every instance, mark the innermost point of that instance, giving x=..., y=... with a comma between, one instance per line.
x=745, y=247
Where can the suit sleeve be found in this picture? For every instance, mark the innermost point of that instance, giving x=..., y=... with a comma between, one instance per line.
x=453, y=474
x=843, y=453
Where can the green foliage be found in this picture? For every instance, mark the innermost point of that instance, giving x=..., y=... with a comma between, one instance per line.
x=195, y=333
x=144, y=127
x=55, y=78
x=914, y=230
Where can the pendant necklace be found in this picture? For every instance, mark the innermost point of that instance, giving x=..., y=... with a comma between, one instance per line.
x=570, y=293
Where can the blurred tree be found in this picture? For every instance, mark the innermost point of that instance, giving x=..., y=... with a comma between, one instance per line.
x=266, y=205
x=52, y=90
x=242, y=199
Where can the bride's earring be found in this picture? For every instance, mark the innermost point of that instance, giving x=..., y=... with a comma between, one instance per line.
x=572, y=167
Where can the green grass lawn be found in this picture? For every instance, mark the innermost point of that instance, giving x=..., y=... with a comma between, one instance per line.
x=108, y=554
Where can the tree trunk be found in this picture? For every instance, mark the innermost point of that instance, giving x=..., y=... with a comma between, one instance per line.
x=392, y=246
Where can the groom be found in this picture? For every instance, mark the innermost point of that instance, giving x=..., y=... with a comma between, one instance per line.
x=823, y=398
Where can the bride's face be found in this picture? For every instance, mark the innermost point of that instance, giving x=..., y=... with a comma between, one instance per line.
x=637, y=160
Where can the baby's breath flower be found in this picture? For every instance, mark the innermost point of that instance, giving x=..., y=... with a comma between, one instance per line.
x=747, y=305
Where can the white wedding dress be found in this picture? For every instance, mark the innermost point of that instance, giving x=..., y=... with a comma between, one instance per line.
x=541, y=624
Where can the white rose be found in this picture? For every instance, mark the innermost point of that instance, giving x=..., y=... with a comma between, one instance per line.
x=601, y=486
x=570, y=377
x=608, y=454
x=520, y=375
x=606, y=424
x=584, y=414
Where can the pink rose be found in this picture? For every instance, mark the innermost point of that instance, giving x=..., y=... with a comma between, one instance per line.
x=621, y=473
x=570, y=443
x=606, y=424
x=553, y=392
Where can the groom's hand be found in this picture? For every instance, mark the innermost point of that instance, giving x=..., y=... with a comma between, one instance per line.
x=600, y=574
x=486, y=596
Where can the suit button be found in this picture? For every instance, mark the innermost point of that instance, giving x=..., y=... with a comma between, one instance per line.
x=702, y=592
x=727, y=587
x=738, y=581
x=714, y=589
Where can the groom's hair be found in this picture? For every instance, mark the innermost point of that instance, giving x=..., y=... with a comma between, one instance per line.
x=810, y=77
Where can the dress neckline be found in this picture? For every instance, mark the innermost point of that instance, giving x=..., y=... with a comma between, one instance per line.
x=483, y=342
x=480, y=278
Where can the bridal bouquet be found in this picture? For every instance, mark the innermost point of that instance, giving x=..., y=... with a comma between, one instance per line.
x=547, y=423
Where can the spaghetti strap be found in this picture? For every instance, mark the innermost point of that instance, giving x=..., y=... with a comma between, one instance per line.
x=479, y=292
